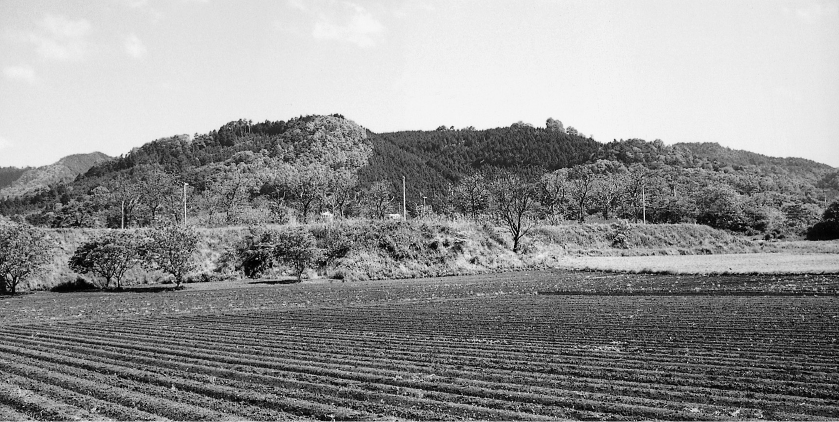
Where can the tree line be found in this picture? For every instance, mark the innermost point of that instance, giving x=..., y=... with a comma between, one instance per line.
x=314, y=166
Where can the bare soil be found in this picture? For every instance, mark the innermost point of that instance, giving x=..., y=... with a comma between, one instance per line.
x=527, y=346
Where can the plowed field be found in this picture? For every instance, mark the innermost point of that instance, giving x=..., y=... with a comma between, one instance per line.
x=531, y=346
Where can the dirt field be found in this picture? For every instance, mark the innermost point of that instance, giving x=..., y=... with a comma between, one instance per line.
x=762, y=263
x=536, y=345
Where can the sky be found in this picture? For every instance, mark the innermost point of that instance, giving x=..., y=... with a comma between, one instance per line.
x=112, y=75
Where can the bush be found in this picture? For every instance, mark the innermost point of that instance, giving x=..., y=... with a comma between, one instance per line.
x=108, y=256
x=256, y=252
x=298, y=249
x=294, y=247
x=620, y=234
x=170, y=248
x=828, y=228
x=75, y=285
x=336, y=241
x=824, y=230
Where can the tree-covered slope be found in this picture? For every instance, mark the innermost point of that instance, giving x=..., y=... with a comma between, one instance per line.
x=431, y=160
x=712, y=152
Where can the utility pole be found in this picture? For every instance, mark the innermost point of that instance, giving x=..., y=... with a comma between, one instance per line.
x=404, y=208
x=185, y=185
x=644, y=203
x=122, y=225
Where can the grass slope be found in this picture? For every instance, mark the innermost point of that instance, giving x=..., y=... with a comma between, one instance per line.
x=394, y=249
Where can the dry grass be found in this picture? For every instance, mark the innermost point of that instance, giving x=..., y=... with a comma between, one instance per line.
x=428, y=248
x=755, y=263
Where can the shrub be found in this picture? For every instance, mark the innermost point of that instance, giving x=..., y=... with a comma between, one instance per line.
x=170, y=248
x=828, y=228
x=256, y=252
x=620, y=234
x=108, y=256
x=298, y=249
x=824, y=230
x=336, y=241
x=75, y=285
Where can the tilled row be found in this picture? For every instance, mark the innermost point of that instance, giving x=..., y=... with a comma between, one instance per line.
x=453, y=400
x=494, y=358
x=558, y=370
x=676, y=396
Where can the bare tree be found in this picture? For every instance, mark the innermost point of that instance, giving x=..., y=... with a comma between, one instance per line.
x=378, y=199
x=554, y=194
x=471, y=195
x=581, y=179
x=515, y=202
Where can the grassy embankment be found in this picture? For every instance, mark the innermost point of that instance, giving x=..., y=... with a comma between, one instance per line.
x=382, y=250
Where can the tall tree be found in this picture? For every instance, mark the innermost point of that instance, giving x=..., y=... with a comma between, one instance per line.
x=230, y=187
x=582, y=180
x=158, y=191
x=515, y=202
x=554, y=125
x=610, y=185
x=555, y=193
x=378, y=199
x=472, y=196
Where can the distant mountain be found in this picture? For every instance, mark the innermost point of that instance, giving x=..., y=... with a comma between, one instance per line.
x=33, y=180
x=10, y=174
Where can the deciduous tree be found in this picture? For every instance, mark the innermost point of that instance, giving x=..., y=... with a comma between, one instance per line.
x=515, y=202
x=24, y=251
x=170, y=248
x=472, y=196
x=108, y=256
x=555, y=193
x=581, y=180
x=298, y=249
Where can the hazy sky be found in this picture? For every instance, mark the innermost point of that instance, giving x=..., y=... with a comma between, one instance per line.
x=83, y=76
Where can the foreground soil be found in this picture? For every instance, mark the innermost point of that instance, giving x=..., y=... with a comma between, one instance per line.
x=530, y=345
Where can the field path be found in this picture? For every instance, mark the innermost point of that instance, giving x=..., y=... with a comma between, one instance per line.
x=749, y=263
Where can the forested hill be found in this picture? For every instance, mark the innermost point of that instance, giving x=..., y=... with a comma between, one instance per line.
x=712, y=152
x=245, y=172
x=433, y=159
x=711, y=156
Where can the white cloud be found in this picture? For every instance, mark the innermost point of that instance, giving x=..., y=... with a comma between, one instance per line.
x=137, y=4
x=817, y=11
x=4, y=143
x=135, y=47
x=354, y=25
x=20, y=73
x=59, y=38
x=297, y=4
